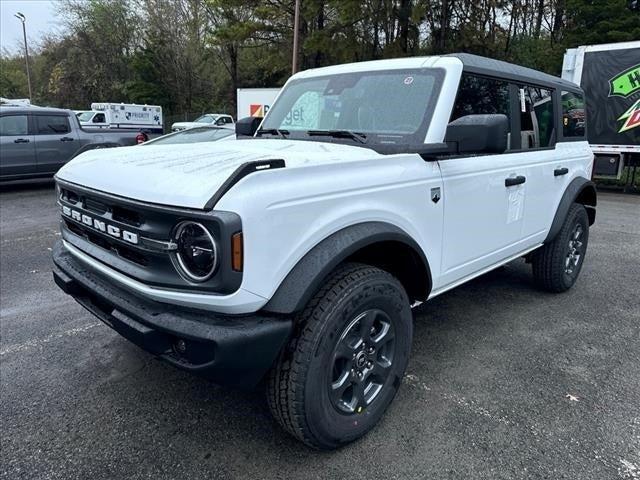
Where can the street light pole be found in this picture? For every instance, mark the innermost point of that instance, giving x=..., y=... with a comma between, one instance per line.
x=296, y=30
x=22, y=18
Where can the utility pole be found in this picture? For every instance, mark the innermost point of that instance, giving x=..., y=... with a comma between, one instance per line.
x=22, y=18
x=296, y=31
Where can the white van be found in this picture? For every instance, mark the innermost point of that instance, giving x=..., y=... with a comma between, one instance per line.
x=122, y=115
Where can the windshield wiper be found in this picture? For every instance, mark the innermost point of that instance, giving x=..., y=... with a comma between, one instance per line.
x=273, y=131
x=359, y=137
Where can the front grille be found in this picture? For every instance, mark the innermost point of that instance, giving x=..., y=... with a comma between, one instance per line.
x=105, y=243
x=127, y=216
x=95, y=206
x=133, y=255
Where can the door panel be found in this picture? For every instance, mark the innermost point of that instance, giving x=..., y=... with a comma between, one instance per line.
x=483, y=216
x=549, y=174
x=55, y=142
x=17, y=147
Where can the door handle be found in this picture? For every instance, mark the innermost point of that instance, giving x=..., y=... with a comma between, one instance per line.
x=511, y=181
x=21, y=140
x=560, y=171
x=66, y=139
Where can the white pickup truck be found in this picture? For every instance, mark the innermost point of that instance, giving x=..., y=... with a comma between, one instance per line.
x=297, y=252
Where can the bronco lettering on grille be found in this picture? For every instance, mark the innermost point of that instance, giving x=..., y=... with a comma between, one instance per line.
x=100, y=226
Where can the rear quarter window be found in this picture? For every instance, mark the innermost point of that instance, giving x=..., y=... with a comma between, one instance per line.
x=573, y=115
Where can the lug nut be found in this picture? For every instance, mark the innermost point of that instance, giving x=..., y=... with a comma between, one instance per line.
x=371, y=349
x=369, y=364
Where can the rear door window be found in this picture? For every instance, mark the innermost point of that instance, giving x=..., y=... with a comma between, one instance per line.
x=536, y=117
x=51, y=124
x=12, y=125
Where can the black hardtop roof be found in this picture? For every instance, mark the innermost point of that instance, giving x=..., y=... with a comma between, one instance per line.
x=509, y=71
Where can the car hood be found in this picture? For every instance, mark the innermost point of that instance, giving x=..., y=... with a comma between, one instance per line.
x=188, y=175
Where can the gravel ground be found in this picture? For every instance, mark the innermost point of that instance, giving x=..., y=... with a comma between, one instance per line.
x=505, y=382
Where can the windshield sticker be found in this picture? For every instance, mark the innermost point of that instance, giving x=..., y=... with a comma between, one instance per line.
x=333, y=104
x=408, y=80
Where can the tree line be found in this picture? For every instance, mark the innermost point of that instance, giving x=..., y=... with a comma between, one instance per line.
x=189, y=56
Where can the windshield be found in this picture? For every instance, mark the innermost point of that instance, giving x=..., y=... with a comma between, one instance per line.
x=205, y=119
x=85, y=116
x=390, y=107
x=193, y=135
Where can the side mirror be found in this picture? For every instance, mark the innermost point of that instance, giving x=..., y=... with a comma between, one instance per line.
x=246, y=127
x=479, y=133
x=220, y=121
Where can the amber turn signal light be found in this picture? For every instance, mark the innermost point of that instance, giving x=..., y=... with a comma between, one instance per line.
x=236, y=252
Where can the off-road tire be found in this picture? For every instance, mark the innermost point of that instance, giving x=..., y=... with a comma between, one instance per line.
x=298, y=385
x=550, y=268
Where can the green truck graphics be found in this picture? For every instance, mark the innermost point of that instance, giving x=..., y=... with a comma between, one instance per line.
x=611, y=81
x=632, y=117
x=625, y=83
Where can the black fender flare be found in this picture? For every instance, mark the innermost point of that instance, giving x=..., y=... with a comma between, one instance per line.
x=306, y=277
x=579, y=190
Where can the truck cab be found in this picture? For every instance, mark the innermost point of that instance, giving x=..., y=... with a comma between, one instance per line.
x=92, y=118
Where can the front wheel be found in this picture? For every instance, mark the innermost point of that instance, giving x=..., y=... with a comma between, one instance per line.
x=556, y=265
x=345, y=362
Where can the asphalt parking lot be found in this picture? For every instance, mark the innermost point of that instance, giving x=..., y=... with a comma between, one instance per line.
x=505, y=382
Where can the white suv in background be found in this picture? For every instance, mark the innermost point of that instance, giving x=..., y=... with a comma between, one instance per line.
x=297, y=252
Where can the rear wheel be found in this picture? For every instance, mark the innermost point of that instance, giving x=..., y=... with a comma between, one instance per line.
x=556, y=265
x=345, y=362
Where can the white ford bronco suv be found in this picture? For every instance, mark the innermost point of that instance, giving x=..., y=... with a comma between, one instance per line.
x=294, y=255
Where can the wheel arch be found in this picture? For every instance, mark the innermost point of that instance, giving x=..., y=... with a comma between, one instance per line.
x=580, y=190
x=379, y=244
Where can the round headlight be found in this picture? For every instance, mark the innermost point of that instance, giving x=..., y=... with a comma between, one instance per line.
x=196, y=254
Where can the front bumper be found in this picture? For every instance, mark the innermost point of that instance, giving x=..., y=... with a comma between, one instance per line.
x=230, y=350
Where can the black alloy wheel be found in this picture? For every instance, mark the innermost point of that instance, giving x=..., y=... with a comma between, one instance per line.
x=362, y=360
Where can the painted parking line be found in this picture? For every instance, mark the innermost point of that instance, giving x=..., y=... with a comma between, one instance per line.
x=40, y=342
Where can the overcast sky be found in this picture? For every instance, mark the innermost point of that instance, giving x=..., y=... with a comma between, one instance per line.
x=41, y=19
